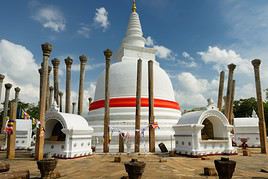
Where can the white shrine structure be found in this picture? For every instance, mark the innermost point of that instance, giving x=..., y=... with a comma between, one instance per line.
x=122, y=85
x=23, y=133
x=247, y=128
x=205, y=132
x=67, y=135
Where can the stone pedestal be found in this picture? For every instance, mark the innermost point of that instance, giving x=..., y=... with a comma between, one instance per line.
x=208, y=171
x=225, y=168
x=46, y=167
x=135, y=169
x=4, y=166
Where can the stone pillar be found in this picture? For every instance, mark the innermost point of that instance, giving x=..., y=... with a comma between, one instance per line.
x=41, y=78
x=17, y=91
x=108, y=54
x=256, y=63
x=11, y=138
x=151, y=106
x=68, y=62
x=39, y=146
x=8, y=86
x=220, y=93
x=83, y=61
x=56, y=62
x=50, y=96
x=47, y=97
x=2, y=77
x=231, y=68
x=121, y=143
x=138, y=106
x=231, y=115
x=73, y=109
x=60, y=94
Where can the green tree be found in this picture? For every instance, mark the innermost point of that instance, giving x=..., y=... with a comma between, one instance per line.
x=244, y=107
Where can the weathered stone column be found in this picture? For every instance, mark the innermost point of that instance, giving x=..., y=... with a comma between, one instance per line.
x=11, y=138
x=220, y=93
x=50, y=96
x=68, y=62
x=73, y=109
x=39, y=147
x=108, y=54
x=231, y=68
x=83, y=61
x=56, y=62
x=2, y=77
x=121, y=143
x=60, y=94
x=41, y=79
x=17, y=91
x=8, y=86
x=151, y=106
x=256, y=63
x=138, y=106
x=231, y=115
x=47, y=97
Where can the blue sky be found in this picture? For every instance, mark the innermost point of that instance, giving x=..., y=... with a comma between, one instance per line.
x=195, y=40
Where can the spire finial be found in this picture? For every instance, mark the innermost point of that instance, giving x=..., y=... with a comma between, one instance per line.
x=134, y=6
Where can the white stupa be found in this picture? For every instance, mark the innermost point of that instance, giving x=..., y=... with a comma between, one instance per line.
x=122, y=85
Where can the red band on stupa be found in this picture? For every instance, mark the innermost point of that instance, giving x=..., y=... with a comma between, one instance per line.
x=131, y=102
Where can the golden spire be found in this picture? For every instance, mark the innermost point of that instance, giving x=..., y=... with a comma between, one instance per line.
x=134, y=6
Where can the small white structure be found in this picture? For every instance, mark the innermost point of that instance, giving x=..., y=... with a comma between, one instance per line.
x=23, y=133
x=67, y=135
x=204, y=133
x=247, y=128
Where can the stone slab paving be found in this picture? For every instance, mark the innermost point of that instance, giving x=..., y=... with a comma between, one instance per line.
x=101, y=166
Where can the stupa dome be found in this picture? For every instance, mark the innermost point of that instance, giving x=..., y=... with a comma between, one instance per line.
x=122, y=86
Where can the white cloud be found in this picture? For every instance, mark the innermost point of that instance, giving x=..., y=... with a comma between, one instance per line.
x=149, y=41
x=220, y=58
x=194, y=92
x=50, y=17
x=84, y=30
x=20, y=68
x=162, y=52
x=101, y=18
x=187, y=60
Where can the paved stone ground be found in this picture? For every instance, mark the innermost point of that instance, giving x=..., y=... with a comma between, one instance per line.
x=101, y=166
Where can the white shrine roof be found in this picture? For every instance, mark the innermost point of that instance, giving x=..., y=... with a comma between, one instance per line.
x=246, y=122
x=69, y=121
x=197, y=117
